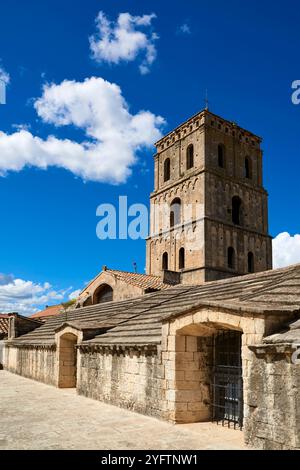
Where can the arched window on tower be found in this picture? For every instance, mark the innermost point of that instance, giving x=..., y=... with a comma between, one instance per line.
x=248, y=168
x=165, y=261
x=236, y=210
x=175, y=212
x=190, y=157
x=103, y=293
x=250, y=262
x=167, y=169
x=181, y=258
x=221, y=156
x=230, y=258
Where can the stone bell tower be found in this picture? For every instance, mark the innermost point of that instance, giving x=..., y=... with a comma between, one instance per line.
x=209, y=210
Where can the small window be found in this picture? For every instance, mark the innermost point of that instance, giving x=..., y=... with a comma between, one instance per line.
x=230, y=258
x=221, y=156
x=165, y=261
x=181, y=258
x=167, y=169
x=190, y=157
x=248, y=168
x=175, y=212
x=250, y=262
x=236, y=210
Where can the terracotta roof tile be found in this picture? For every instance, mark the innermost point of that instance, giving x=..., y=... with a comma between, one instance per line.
x=4, y=320
x=48, y=312
x=145, y=281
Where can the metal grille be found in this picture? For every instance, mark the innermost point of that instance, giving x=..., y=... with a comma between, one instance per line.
x=227, y=379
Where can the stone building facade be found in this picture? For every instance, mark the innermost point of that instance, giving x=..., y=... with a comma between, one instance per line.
x=209, y=210
x=115, y=285
x=222, y=350
x=158, y=354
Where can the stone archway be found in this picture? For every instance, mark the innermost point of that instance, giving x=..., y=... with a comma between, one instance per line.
x=199, y=375
x=67, y=361
x=189, y=361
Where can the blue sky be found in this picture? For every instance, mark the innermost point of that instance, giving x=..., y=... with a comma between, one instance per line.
x=246, y=55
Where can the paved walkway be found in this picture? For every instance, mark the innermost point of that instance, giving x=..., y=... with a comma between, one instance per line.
x=38, y=416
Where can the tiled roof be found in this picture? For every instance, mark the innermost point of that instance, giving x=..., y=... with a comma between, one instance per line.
x=139, y=321
x=48, y=312
x=144, y=281
x=4, y=320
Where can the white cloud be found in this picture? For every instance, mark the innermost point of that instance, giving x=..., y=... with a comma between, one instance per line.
x=184, y=29
x=96, y=106
x=26, y=297
x=74, y=294
x=124, y=40
x=286, y=250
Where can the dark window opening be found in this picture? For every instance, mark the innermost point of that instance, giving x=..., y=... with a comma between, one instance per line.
x=230, y=258
x=190, y=157
x=248, y=168
x=167, y=170
x=165, y=261
x=250, y=262
x=221, y=156
x=175, y=212
x=236, y=210
x=181, y=258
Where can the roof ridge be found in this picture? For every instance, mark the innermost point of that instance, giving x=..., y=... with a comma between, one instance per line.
x=129, y=272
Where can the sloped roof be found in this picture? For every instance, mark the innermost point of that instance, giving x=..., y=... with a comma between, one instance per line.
x=138, y=321
x=48, y=312
x=4, y=320
x=290, y=335
x=144, y=281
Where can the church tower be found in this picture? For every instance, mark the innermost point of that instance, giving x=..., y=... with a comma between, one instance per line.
x=209, y=210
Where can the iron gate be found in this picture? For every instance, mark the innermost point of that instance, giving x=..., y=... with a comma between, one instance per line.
x=227, y=379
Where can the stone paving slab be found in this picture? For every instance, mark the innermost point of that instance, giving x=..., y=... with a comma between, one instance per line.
x=37, y=416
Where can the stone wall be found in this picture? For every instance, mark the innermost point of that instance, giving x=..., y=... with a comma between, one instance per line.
x=131, y=379
x=38, y=363
x=273, y=415
x=188, y=369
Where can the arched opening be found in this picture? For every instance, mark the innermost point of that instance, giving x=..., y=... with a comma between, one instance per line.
x=175, y=212
x=165, y=261
x=190, y=157
x=167, y=169
x=103, y=293
x=248, y=168
x=236, y=210
x=217, y=363
x=221, y=156
x=67, y=361
x=250, y=262
x=181, y=258
x=230, y=258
